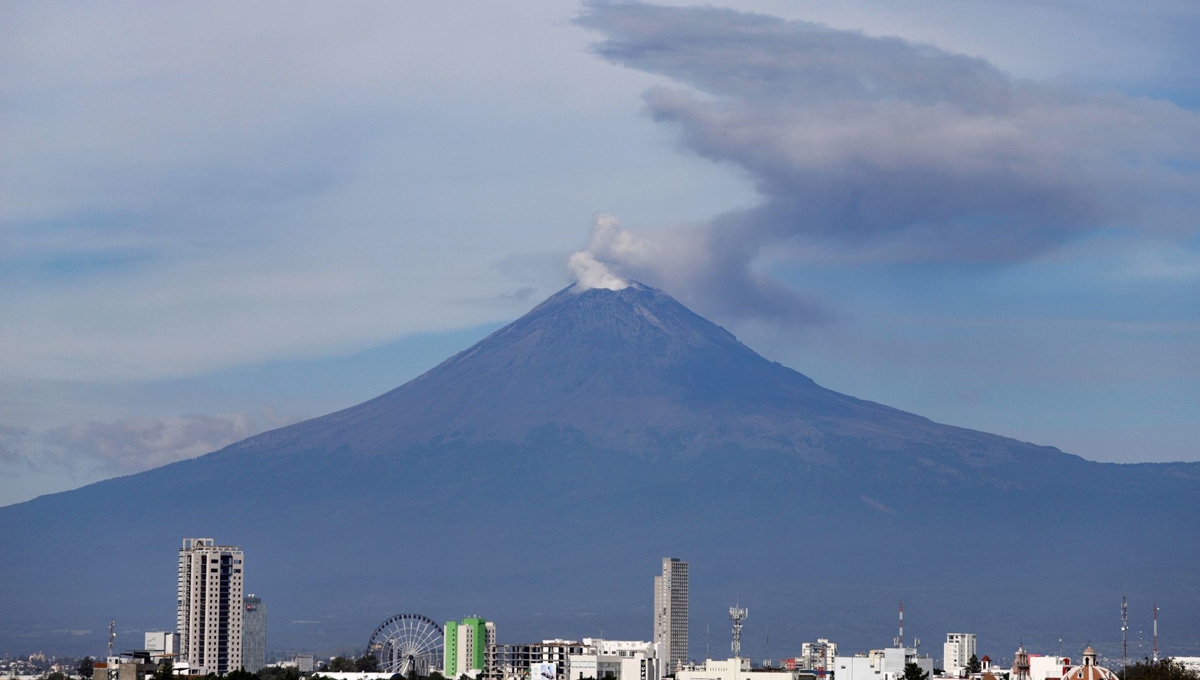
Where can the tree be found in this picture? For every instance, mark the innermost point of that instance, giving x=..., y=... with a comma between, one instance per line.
x=240, y=674
x=86, y=666
x=56, y=675
x=165, y=670
x=913, y=672
x=435, y=675
x=973, y=665
x=366, y=663
x=277, y=673
x=340, y=664
x=1164, y=669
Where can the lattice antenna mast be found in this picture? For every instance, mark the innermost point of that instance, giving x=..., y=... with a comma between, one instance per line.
x=1124, y=633
x=112, y=635
x=900, y=638
x=1155, y=657
x=737, y=615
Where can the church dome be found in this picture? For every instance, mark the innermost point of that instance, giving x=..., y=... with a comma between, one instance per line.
x=1089, y=670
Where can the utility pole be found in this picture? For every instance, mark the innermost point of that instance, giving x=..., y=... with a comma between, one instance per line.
x=1155, y=657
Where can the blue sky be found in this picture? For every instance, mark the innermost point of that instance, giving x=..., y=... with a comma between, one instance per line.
x=217, y=219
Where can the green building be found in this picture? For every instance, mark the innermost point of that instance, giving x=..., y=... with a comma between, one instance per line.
x=466, y=646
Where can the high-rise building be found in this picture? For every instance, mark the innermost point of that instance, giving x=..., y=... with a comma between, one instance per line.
x=254, y=633
x=209, y=606
x=957, y=651
x=671, y=612
x=466, y=646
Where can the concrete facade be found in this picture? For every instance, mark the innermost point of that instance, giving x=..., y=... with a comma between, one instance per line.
x=466, y=646
x=161, y=644
x=671, y=612
x=209, y=606
x=732, y=669
x=254, y=633
x=618, y=659
x=956, y=652
x=880, y=664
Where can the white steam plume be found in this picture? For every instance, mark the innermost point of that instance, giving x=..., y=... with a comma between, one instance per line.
x=608, y=243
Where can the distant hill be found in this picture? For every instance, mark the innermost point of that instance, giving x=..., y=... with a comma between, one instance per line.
x=538, y=477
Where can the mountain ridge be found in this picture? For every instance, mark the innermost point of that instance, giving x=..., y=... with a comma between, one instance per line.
x=599, y=432
x=740, y=386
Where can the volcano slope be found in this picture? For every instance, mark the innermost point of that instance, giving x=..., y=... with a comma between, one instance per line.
x=538, y=477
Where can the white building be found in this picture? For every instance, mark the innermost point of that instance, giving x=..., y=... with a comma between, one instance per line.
x=1047, y=667
x=671, y=612
x=618, y=659
x=880, y=664
x=815, y=656
x=957, y=651
x=209, y=606
x=732, y=669
x=162, y=644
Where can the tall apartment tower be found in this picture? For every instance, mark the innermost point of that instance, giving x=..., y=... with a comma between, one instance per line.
x=254, y=633
x=957, y=651
x=466, y=646
x=209, y=606
x=671, y=612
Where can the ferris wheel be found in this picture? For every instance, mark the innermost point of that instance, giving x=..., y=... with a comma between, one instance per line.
x=407, y=642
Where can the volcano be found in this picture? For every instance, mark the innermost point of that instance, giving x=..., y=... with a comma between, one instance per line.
x=538, y=477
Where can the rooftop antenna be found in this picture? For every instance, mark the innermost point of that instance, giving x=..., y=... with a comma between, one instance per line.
x=900, y=639
x=1155, y=657
x=707, y=654
x=112, y=634
x=737, y=615
x=1124, y=633
x=768, y=641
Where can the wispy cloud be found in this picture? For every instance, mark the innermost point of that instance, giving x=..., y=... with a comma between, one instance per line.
x=876, y=149
x=131, y=444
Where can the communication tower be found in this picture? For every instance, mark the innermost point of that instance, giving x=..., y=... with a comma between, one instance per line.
x=737, y=615
x=1124, y=633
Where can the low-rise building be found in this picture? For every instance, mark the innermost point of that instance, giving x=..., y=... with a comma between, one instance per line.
x=1043, y=667
x=162, y=645
x=616, y=659
x=880, y=664
x=510, y=662
x=957, y=652
x=736, y=668
x=818, y=657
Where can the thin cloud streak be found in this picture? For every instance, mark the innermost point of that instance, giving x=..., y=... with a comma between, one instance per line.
x=131, y=444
